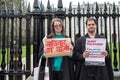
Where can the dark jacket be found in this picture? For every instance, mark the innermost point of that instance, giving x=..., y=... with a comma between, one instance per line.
x=83, y=72
x=67, y=66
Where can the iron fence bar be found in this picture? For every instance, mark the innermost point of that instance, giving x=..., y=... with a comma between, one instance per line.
x=28, y=43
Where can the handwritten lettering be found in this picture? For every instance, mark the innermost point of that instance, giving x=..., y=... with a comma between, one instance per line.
x=53, y=45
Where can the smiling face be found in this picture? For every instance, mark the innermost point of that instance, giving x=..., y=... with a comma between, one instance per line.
x=57, y=27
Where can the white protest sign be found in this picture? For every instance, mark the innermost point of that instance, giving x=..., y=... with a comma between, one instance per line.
x=95, y=46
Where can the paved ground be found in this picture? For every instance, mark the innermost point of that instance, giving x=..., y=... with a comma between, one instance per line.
x=116, y=75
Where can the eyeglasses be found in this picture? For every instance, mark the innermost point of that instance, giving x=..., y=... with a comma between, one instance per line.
x=56, y=26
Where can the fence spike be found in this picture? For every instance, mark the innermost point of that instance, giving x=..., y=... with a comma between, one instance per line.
x=78, y=9
x=20, y=7
x=97, y=8
x=88, y=7
x=70, y=7
x=105, y=7
x=29, y=9
x=4, y=8
x=48, y=6
x=114, y=8
x=60, y=5
x=12, y=9
x=41, y=6
x=36, y=4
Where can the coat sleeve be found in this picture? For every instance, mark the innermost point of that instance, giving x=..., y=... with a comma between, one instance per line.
x=40, y=54
x=109, y=67
x=109, y=64
x=78, y=50
x=41, y=50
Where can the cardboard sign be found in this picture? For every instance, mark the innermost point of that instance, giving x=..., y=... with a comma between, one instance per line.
x=57, y=47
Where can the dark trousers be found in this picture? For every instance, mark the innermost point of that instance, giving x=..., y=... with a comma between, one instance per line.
x=57, y=75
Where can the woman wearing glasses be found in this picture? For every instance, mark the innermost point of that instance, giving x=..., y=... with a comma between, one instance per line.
x=60, y=67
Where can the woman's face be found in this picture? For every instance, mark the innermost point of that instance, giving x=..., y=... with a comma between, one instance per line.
x=57, y=27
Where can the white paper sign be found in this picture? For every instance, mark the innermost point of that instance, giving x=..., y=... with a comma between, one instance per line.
x=36, y=70
x=46, y=75
x=95, y=46
x=36, y=73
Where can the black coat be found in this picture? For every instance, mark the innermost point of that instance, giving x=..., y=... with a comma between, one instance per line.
x=83, y=72
x=67, y=66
